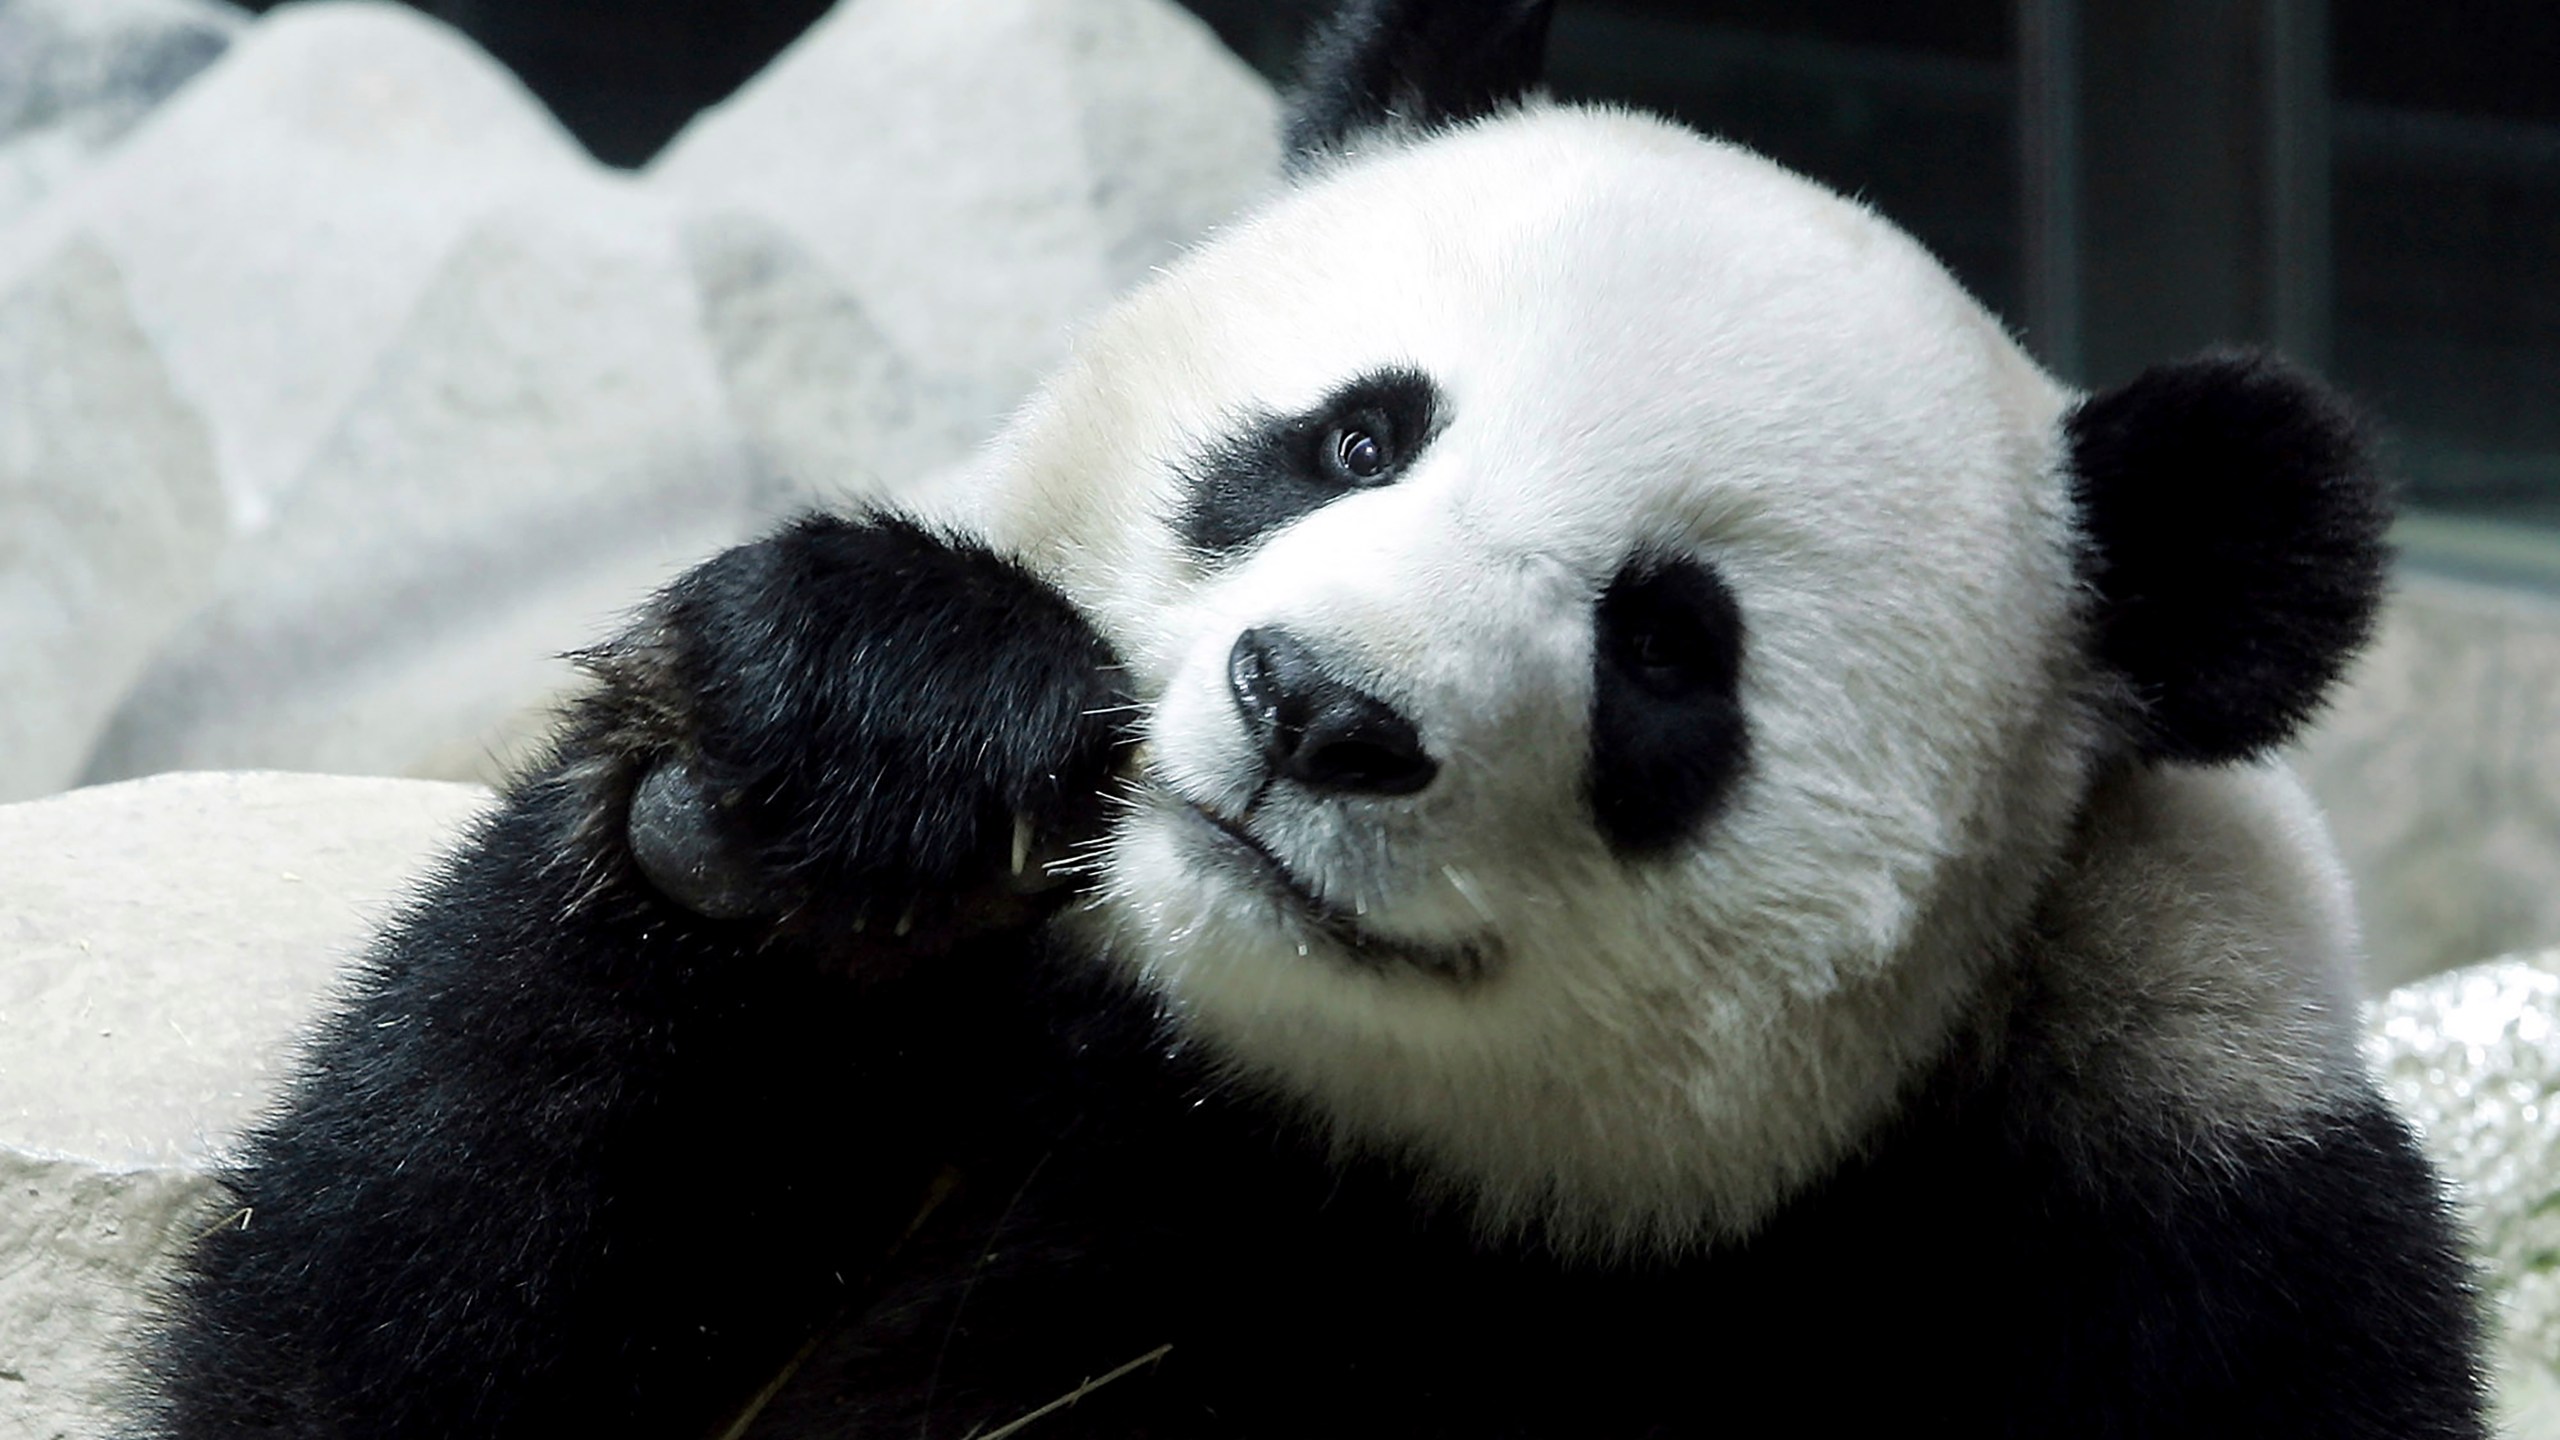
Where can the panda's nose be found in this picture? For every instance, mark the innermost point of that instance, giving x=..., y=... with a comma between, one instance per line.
x=1315, y=729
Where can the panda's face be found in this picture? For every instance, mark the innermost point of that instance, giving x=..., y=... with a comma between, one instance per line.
x=1607, y=614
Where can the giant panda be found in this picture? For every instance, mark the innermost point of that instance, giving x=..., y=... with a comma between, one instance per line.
x=1548, y=792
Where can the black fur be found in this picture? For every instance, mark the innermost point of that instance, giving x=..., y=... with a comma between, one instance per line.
x=1412, y=63
x=575, y=1160
x=2236, y=529
x=1668, y=736
x=1979, y=1268
x=1279, y=468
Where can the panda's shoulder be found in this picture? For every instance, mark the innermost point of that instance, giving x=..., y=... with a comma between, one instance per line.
x=2190, y=977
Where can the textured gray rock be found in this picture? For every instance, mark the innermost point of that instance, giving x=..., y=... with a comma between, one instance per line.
x=75, y=75
x=2439, y=766
x=979, y=176
x=277, y=220
x=111, y=519
x=164, y=940
x=543, y=444
x=835, y=414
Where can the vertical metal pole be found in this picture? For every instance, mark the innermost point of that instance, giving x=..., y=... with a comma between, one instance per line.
x=2300, y=289
x=2049, y=157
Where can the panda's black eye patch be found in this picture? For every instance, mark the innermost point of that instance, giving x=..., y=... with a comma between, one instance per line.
x=1667, y=734
x=1664, y=631
x=1277, y=468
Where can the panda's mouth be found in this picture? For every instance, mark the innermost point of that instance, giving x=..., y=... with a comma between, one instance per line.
x=1245, y=851
x=1253, y=862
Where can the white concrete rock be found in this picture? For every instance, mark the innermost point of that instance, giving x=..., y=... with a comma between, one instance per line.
x=979, y=176
x=277, y=220
x=836, y=415
x=544, y=444
x=2439, y=765
x=76, y=74
x=164, y=942
x=111, y=518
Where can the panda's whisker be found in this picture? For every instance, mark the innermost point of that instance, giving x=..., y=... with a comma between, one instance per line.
x=1466, y=891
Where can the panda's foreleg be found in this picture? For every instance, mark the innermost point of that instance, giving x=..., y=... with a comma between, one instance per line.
x=600, y=1136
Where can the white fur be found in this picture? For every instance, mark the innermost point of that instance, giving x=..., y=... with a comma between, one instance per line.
x=1647, y=341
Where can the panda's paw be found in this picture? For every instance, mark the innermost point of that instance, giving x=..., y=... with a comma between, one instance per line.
x=860, y=726
x=696, y=849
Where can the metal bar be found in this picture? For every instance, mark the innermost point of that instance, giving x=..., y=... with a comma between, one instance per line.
x=2048, y=81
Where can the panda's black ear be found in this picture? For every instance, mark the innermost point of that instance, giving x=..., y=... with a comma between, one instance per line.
x=1412, y=62
x=2235, y=526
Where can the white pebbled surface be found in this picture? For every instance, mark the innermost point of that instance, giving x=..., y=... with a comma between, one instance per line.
x=2472, y=1057
x=163, y=942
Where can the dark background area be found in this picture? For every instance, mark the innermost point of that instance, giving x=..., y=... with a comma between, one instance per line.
x=2370, y=184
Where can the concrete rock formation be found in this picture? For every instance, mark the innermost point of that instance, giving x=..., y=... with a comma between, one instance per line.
x=2439, y=764
x=110, y=514
x=979, y=176
x=277, y=220
x=833, y=411
x=75, y=75
x=165, y=941
x=543, y=443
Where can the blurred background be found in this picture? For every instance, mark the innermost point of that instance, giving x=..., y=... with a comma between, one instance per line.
x=2370, y=184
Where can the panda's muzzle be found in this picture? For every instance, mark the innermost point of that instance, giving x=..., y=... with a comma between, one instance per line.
x=1250, y=854
x=1318, y=731
x=1257, y=863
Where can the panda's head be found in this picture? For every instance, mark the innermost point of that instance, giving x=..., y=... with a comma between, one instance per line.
x=1626, y=639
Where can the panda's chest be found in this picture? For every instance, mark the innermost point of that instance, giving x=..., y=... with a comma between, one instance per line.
x=1182, y=1262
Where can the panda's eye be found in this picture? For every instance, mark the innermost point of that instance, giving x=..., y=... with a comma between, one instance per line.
x=1359, y=452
